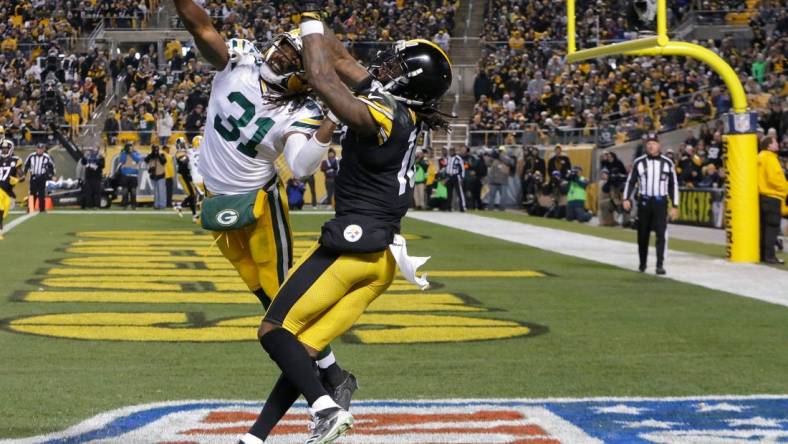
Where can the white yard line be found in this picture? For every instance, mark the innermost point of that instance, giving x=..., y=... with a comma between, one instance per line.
x=18, y=221
x=749, y=280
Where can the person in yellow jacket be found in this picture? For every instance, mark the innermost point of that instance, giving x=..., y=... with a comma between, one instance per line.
x=772, y=188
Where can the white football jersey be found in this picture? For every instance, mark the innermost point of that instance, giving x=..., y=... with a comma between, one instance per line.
x=244, y=133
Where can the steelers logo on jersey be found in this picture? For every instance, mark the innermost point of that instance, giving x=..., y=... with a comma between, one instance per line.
x=353, y=233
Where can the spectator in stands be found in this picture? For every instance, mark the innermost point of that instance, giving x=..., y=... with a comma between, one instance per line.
x=164, y=125
x=442, y=39
x=195, y=122
x=689, y=166
x=482, y=86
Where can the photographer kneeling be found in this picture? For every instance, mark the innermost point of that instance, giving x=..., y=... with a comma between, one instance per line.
x=576, y=197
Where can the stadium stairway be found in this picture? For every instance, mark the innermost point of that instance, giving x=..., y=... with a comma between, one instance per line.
x=466, y=49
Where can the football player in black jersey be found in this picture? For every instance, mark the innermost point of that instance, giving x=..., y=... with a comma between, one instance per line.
x=354, y=260
x=11, y=173
x=184, y=172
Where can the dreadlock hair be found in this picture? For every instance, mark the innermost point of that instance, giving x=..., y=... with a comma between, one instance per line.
x=432, y=117
x=294, y=100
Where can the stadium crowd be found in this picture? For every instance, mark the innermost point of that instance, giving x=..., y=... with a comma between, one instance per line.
x=525, y=80
x=355, y=22
x=44, y=82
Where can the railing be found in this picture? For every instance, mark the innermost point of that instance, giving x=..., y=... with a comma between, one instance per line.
x=94, y=35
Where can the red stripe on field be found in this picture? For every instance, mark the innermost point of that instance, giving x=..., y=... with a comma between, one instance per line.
x=523, y=430
x=381, y=418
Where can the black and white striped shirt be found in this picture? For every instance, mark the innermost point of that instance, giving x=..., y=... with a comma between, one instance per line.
x=39, y=165
x=456, y=166
x=655, y=177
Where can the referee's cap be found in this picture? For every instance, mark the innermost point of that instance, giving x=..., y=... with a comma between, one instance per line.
x=652, y=137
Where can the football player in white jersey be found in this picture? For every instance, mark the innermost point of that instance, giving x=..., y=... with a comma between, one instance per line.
x=257, y=110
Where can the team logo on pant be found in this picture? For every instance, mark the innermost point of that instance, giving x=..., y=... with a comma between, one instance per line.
x=728, y=419
x=227, y=217
x=353, y=233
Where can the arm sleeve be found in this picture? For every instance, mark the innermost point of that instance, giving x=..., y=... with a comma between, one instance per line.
x=303, y=156
x=673, y=186
x=629, y=188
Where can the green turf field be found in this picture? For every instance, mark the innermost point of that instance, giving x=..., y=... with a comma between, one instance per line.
x=564, y=326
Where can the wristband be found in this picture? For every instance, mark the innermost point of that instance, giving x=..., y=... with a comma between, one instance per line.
x=311, y=27
x=333, y=117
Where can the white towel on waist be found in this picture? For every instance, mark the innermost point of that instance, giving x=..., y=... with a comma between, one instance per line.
x=408, y=265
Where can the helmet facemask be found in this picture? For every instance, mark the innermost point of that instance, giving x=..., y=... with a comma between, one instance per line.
x=281, y=65
x=6, y=149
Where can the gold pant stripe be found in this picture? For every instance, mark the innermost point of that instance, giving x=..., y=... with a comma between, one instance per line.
x=257, y=250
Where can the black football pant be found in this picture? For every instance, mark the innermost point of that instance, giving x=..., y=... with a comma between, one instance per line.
x=770, y=225
x=38, y=189
x=91, y=193
x=652, y=216
x=455, y=187
x=129, y=185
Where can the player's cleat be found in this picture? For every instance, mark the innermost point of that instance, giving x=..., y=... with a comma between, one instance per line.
x=329, y=424
x=642, y=268
x=178, y=210
x=343, y=392
x=660, y=271
x=196, y=219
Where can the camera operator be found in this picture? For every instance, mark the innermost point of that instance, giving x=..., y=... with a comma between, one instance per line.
x=51, y=103
x=127, y=173
x=156, y=170
x=557, y=188
x=41, y=168
x=531, y=165
x=93, y=163
x=576, y=196
x=613, y=186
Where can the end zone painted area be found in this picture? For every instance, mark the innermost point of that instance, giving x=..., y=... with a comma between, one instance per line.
x=708, y=419
x=748, y=280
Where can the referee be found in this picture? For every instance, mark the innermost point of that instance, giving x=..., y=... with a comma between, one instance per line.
x=41, y=168
x=655, y=177
x=455, y=169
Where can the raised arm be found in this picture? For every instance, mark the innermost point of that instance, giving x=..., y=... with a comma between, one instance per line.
x=323, y=78
x=348, y=68
x=207, y=39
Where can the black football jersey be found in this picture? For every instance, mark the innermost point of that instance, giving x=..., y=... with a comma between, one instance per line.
x=9, y=171
x=375, y=177
x=183, y=166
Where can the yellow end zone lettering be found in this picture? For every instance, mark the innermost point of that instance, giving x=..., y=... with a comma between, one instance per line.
x=184, y=267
